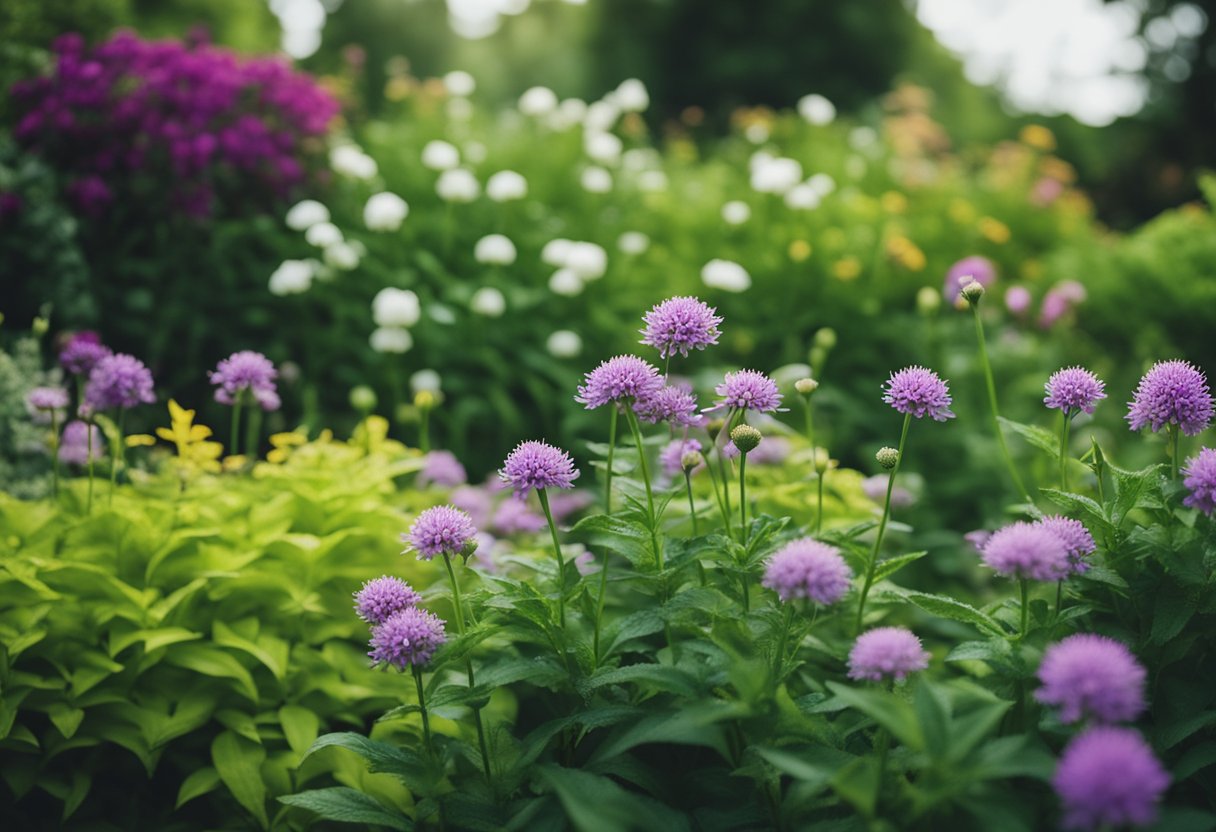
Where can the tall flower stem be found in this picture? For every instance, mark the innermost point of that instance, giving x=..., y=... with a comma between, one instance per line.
x=118, y=454
x=692, y=506
x=992, y=404
x=611, y=451
x=599, y=604
x=427, y=739
x=713, y=481
x=88, y=432
x=54, y=453
x=1067, y=414
x=1173, y=432
x=1024, y=590
x=424, y=429
x=725, y=490
x=743, y=498
x=819, y=508
x=235, y=450
x=636, y=430
x=810, y=429
x=468, y=663
x=882, y=525
x=779, y=657
x=557, y=552
x=253, y=431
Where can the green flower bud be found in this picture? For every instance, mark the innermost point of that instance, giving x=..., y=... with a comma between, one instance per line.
x=887, y=457
x=972, y=292
x=825, y=338
x=806, y=386
x=689, y=461
x=746, y=438
x=363, y=398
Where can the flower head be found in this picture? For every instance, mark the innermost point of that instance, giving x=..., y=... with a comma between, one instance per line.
x=919, y=392
x=1074, y=389
x=806, y=568
x=538, y=465
x=671, y=458
x=74, y=444
x=405, y=638
x=623, y=377
x=80, y=354
x=1108, y=778
x=442, y=530
x=246, y=371
x=1023, y=550
x=1078, y=542
x=1092, y=676
x=119, y=380
x=886, y=653
x=748, y=390
x=442, y=468
x=679, y=324
x=1172, y=393
x=382, y=597
x=42, y=401
x=672, y=404
x=1200, y=480
x=978, y=269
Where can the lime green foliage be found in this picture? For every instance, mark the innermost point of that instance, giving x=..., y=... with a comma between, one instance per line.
x=25, y=463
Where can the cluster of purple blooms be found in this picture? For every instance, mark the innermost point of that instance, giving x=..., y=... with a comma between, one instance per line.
x=187, y=112
x=1050, y=549
x=1108, y=778
x=246, y=374
x=1172, y=393
x=402, y=633
x=886, y=653
x=920, y=392
x=806, y=568
x=1058, y=301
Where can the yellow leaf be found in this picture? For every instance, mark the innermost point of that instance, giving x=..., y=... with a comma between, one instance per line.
x=136, y=440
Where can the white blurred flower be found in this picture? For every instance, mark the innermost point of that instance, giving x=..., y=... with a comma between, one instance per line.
x=565, y=282
x=538, y=101
x=816, y=109
x=633, y=242
x=758, y=160
x=494, y=250
x=736, y=212
x=601, y=116
x=604, y=148
x=292, y=277
x=440, y=155
x=425, y=381
x=393, y=307
x=342, y=256
x=861, y=138
x=570, y=112
x=631, y=96
x=506, y=185
x=776, y=176
x=441, y=314
x=323, y=235
x=596, y=180
x=392, y=340
x=652, y=181
x=349, y=160
x=459, y=83
x=822, y=183
x=556, y=252
x=488, y=301
x=457, y=185
x=802, y=198
x=385, y=212
x=640, y=158
x=757, y=132
x=587, y=260
x=726, y=275
x=564, y=344
x=305, y=214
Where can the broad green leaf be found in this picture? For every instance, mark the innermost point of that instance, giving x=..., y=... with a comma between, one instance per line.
x=66, y=718
x=238, y=762
x=654, y=676
x=346, y=805
x=1041, y=438
x=200, y=782
x=597, y=804
x=213, y=661
x=890, y=566
x=300, y=727
x=695, y=725
x=628, y=538
x=946, y=607
x=815, y=764
x=885, y=708
x=275, y=660
x=152, y=639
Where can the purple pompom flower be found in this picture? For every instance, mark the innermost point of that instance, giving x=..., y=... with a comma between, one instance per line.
x=382, y=597
x=42, y=402
x=918, y=392
x=1077, y=540
x=82, y=352
x=1074, y=389
x=979, y=269
x=441, y=530
x=246, y=371
x=442, y=468
x=886, y=653
x=1026, y=551
x=537, y=465
x=1109, y=778
x=74, y=444
x=515, y=517
x=671, y=458
x=1172, y=393
x=406, y=638
x=119, y=381
x=619, y=378
x=1094, y=677
x=1200, y=473
x=748, y=390
x=674, y=405
x=679, y=324
x=806, y=568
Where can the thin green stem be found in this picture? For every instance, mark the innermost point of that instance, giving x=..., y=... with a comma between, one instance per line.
x=118, y=454
x=88, y=432
x=1173, y=431
x=779, y=656
x=426, y=731
x=692, y=506
x=253, y=433
x=810, y=429
x=882, y=525
x=636, y=430
x=743, y=498
x=55, y=453
x=458, y=606
x=611, y=451
x=600, y=603
x=424, y=429
x=883, y=743
x=1064, y=449
x=1024, y=590
x=557, y=552
x=713, y=481
x=996, y=422
x=235, y=450
x=725, y=491
x=1059, y=597
x=819, y=510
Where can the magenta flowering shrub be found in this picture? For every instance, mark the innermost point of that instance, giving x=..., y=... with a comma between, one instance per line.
x=121, y=119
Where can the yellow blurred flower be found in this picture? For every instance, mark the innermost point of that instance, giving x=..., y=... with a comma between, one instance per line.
x=281, y=445
x=905, y=252
x=1057, y=169
x=398, y=89
x=235, y=462
x=893, y=202
x=799, y=250
x=1038, y=137
x=846, y=268
x=140, y=440
x=961, y=211
x=994, y=230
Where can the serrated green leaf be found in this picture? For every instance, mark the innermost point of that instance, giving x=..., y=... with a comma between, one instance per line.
x=346, y=805
x=946, y=607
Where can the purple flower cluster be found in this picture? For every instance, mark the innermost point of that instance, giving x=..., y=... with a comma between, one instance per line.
x=671, y=458
x=1109, y=778
x=886, y=653
x=679, y=324
x=190, y=113
x=74, y=443
x=119, y=381
x=442, y=530
x=617, y=379
x=1200, y=480
x=748, y=390
x=535, y=465
x=1094, y=677
x=1027, y=551
x=806, y=568
x=1172, y=393
x=672, y=404
x=82, y=352
x=1074, y=389
x=443, y=469
x=246, y=371
x=42, y=402
x=381, y=598
x=1078, y=542
x=407, y=638
x=919, y=392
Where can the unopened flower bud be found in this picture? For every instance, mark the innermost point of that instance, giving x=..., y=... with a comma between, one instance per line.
x=714, y=427
x=363, y=398
x=806, y=386
x=469, y=548
x=689, y=461
x=746, y=438
x=823, y=461
x=825, y=338
x=928, y=300
x=972, y=292
x=40, y=326
x=887, y=457
x=426, y=399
